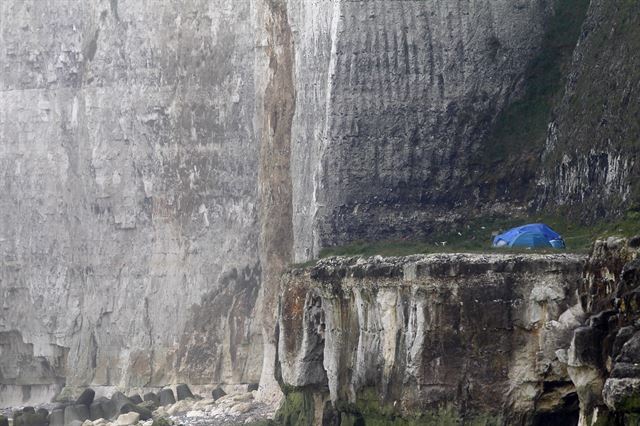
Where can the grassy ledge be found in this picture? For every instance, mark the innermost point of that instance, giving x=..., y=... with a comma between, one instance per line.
x=476, y=237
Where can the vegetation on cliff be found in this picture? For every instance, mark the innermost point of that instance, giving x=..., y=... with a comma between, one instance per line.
x=477, y=235
x=513, y=149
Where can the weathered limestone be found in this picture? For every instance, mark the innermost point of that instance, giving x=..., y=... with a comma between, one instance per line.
x=161, y=167
x=591, y=149
x=391, y=105
x=604, y=354
x=463, y=336
x=128, y=221
x=127, y=419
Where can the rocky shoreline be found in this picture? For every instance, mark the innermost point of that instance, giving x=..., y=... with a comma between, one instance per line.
x=163, y=408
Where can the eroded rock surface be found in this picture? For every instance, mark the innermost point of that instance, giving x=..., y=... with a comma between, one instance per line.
x=128, y=221
x=161, y=166
x=591, y=153
x=432, y=337
x=604, y=354
x=392, y=99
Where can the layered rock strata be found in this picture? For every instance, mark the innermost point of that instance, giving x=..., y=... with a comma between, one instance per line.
x=162, y=164
x=591, y=153
x=393, y=98
x=604, y=353
x=160, y=161
x=430, y=339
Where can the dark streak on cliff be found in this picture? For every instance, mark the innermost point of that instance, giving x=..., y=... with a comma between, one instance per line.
x=276, y=240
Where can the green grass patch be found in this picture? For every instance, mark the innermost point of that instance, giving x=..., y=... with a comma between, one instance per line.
x=477, y=236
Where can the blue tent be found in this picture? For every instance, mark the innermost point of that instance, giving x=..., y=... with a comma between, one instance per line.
x=535, y=235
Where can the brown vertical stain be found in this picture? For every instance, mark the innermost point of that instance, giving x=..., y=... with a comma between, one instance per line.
x=276, y=241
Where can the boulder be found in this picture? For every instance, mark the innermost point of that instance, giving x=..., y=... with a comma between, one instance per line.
x=183, y=392
x=108, y=407
x=161, y=422
x=87, y=423
x=96, y=411
x=135, y=398
x=86, y=397
x=29, y=410
x=161, y=412
x=630, y=350
x=180, y=407
x=242, y=408
x=166, y=397
x=152, y=397
x=149, y=405
x=43, y=412
x=76, y=412
x=145, y=413
x=30, y=419
x=127, y=419
x=217, y=393
x=120, y=399
x=242, y=397
x=622, y=395
x=56, y=418
x=203, y=404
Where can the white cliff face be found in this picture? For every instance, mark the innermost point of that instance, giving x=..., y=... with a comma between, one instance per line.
x=163, y=162
x=393, y=98
x=128, y=221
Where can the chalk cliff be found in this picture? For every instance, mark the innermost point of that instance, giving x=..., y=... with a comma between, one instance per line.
x=147, y=150
x=471, y=339
x=437, y=339
x=591, y=153
x=393, y=99
x=164, y=162
x=128, y=221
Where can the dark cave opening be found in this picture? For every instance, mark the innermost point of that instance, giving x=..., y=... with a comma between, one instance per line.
x=567, y=414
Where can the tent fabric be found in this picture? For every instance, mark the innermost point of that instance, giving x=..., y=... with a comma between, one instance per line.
x=535, y=235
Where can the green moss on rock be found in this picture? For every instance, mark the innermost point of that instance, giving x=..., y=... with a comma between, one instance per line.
x=161, y=421
x=370, y=411
x=630, y=404
x=297, y=409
